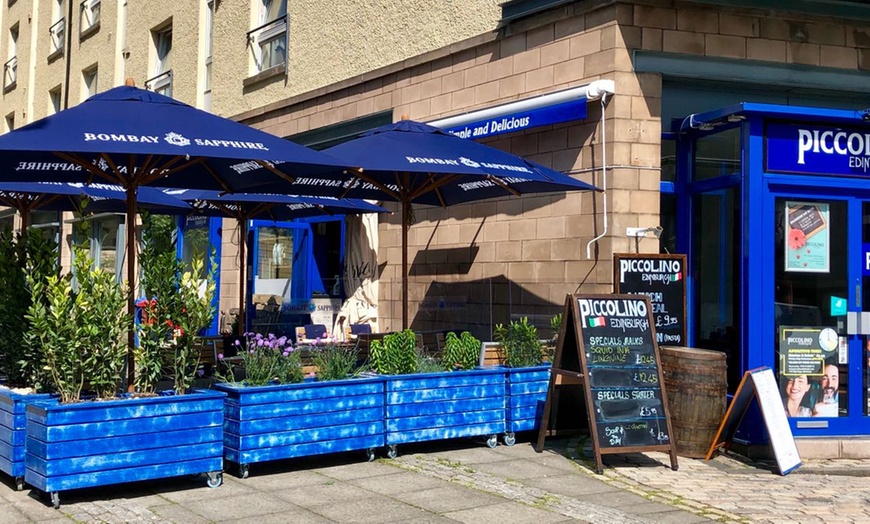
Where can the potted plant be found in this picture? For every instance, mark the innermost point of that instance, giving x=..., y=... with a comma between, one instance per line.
x=28, y=256
x=528, y=377
x=94, y=436
x=437, y=405
x=273, y=414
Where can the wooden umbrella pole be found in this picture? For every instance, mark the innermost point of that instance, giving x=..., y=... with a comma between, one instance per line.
x=243, y=272
x=405, y=225
x=130, y=228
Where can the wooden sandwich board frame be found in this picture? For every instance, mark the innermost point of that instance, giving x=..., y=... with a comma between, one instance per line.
x=570, y=367
x=760, y=384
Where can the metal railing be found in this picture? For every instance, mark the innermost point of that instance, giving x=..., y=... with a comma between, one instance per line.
x=89, y=15
x=10, y=73
x=161, y=83
x=269, y=43
x=57, y=31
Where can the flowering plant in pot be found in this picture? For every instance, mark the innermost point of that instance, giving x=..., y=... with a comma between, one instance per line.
x=265, y=359
x=176, y=307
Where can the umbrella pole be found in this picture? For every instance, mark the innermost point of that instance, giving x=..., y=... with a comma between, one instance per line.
x=25, y=220
x=130, y=228
x=405, y=225
x=243, y=273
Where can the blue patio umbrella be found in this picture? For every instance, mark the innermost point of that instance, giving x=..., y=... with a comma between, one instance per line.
x=248, y=206
x=133, y=137
x=414, y=163
x=26, y=197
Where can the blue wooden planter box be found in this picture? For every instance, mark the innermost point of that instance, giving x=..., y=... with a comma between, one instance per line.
x=12, y=432
x=88, y=444
x=526, y=394
x=436, y=406
x=266, y=423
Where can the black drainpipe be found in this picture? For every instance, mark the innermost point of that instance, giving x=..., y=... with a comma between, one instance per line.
x=67, y=53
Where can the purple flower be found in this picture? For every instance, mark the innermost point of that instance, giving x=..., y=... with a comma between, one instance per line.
x=237, y=343
x=286, y=353
x=200, y=372
x=259, y=342
x=252, y=352
x=220, y=356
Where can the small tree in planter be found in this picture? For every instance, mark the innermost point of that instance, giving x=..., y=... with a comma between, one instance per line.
x=76, y=443
x=527, y=381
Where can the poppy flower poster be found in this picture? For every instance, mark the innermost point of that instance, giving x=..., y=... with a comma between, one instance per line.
x=807, y=247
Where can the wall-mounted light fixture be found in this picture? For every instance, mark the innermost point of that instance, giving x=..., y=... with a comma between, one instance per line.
x=641, y=232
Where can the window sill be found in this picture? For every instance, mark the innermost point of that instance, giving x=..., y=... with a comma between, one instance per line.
x=57, y=53
x=87, y=33
x=10, y=87
x=266, y=74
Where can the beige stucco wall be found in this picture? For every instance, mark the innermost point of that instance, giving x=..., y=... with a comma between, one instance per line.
x=332, y=41
x=16, y=100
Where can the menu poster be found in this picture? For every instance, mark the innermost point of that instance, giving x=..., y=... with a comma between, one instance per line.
x=803, y=351
x=662, y=278
x=761, y=385
x=807, y=244
x=619, y=366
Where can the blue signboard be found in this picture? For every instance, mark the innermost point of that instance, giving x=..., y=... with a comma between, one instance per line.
x=554, y=114
x=818, y=149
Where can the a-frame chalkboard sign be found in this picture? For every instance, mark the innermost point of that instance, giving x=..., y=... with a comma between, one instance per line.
x=608, y=344
x=760, y=384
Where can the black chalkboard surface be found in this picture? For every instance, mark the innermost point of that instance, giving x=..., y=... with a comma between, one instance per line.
x=617, y=360
x=663, y=279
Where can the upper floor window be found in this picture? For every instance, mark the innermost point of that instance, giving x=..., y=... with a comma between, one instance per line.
x=89, y=17
x=58, y=25
x=10, y=68
x=54, y=100
x=89, y=82
x=269, y=40
x=9, y=122
x=161, y=81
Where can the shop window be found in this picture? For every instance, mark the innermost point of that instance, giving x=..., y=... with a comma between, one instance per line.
x=107, y=252
x=195, y=244
x=48, y=223
x=268, y=41
x=717, y=155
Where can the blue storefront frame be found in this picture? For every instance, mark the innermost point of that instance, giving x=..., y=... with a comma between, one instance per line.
x=762, y=180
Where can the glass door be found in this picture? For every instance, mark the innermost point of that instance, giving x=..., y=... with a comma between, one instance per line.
x=811, y=296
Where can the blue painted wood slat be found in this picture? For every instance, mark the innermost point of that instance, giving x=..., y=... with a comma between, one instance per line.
x=13, y=421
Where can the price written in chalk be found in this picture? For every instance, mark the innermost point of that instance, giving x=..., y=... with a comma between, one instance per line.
x=666, y=320
x=644, y=377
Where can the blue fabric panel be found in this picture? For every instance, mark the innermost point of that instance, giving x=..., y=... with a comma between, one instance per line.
x=118, y=476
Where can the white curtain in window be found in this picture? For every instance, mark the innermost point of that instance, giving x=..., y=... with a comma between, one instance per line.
x=164, y=47
x=272, y=9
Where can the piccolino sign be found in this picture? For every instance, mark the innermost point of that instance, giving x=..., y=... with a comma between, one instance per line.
x=814, y=149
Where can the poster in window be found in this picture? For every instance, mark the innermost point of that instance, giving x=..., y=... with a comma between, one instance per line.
x=807, y=245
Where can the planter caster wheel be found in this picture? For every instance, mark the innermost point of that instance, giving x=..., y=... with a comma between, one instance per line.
x=215, y=479
x=244, y=471
x=492, y=441
x=370, y=454
x=510, y=439
x=55, y=499
x=19, y=483
x=392, y=452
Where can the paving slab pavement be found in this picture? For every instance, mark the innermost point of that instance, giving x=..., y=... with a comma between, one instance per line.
x=464, y=481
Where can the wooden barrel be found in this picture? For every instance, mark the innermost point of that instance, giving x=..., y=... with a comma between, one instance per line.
x=696, y=386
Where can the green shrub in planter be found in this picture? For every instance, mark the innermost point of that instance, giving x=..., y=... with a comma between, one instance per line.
x=396, y=354
x=461, y=352
x=520, y=343
x=334, y=362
